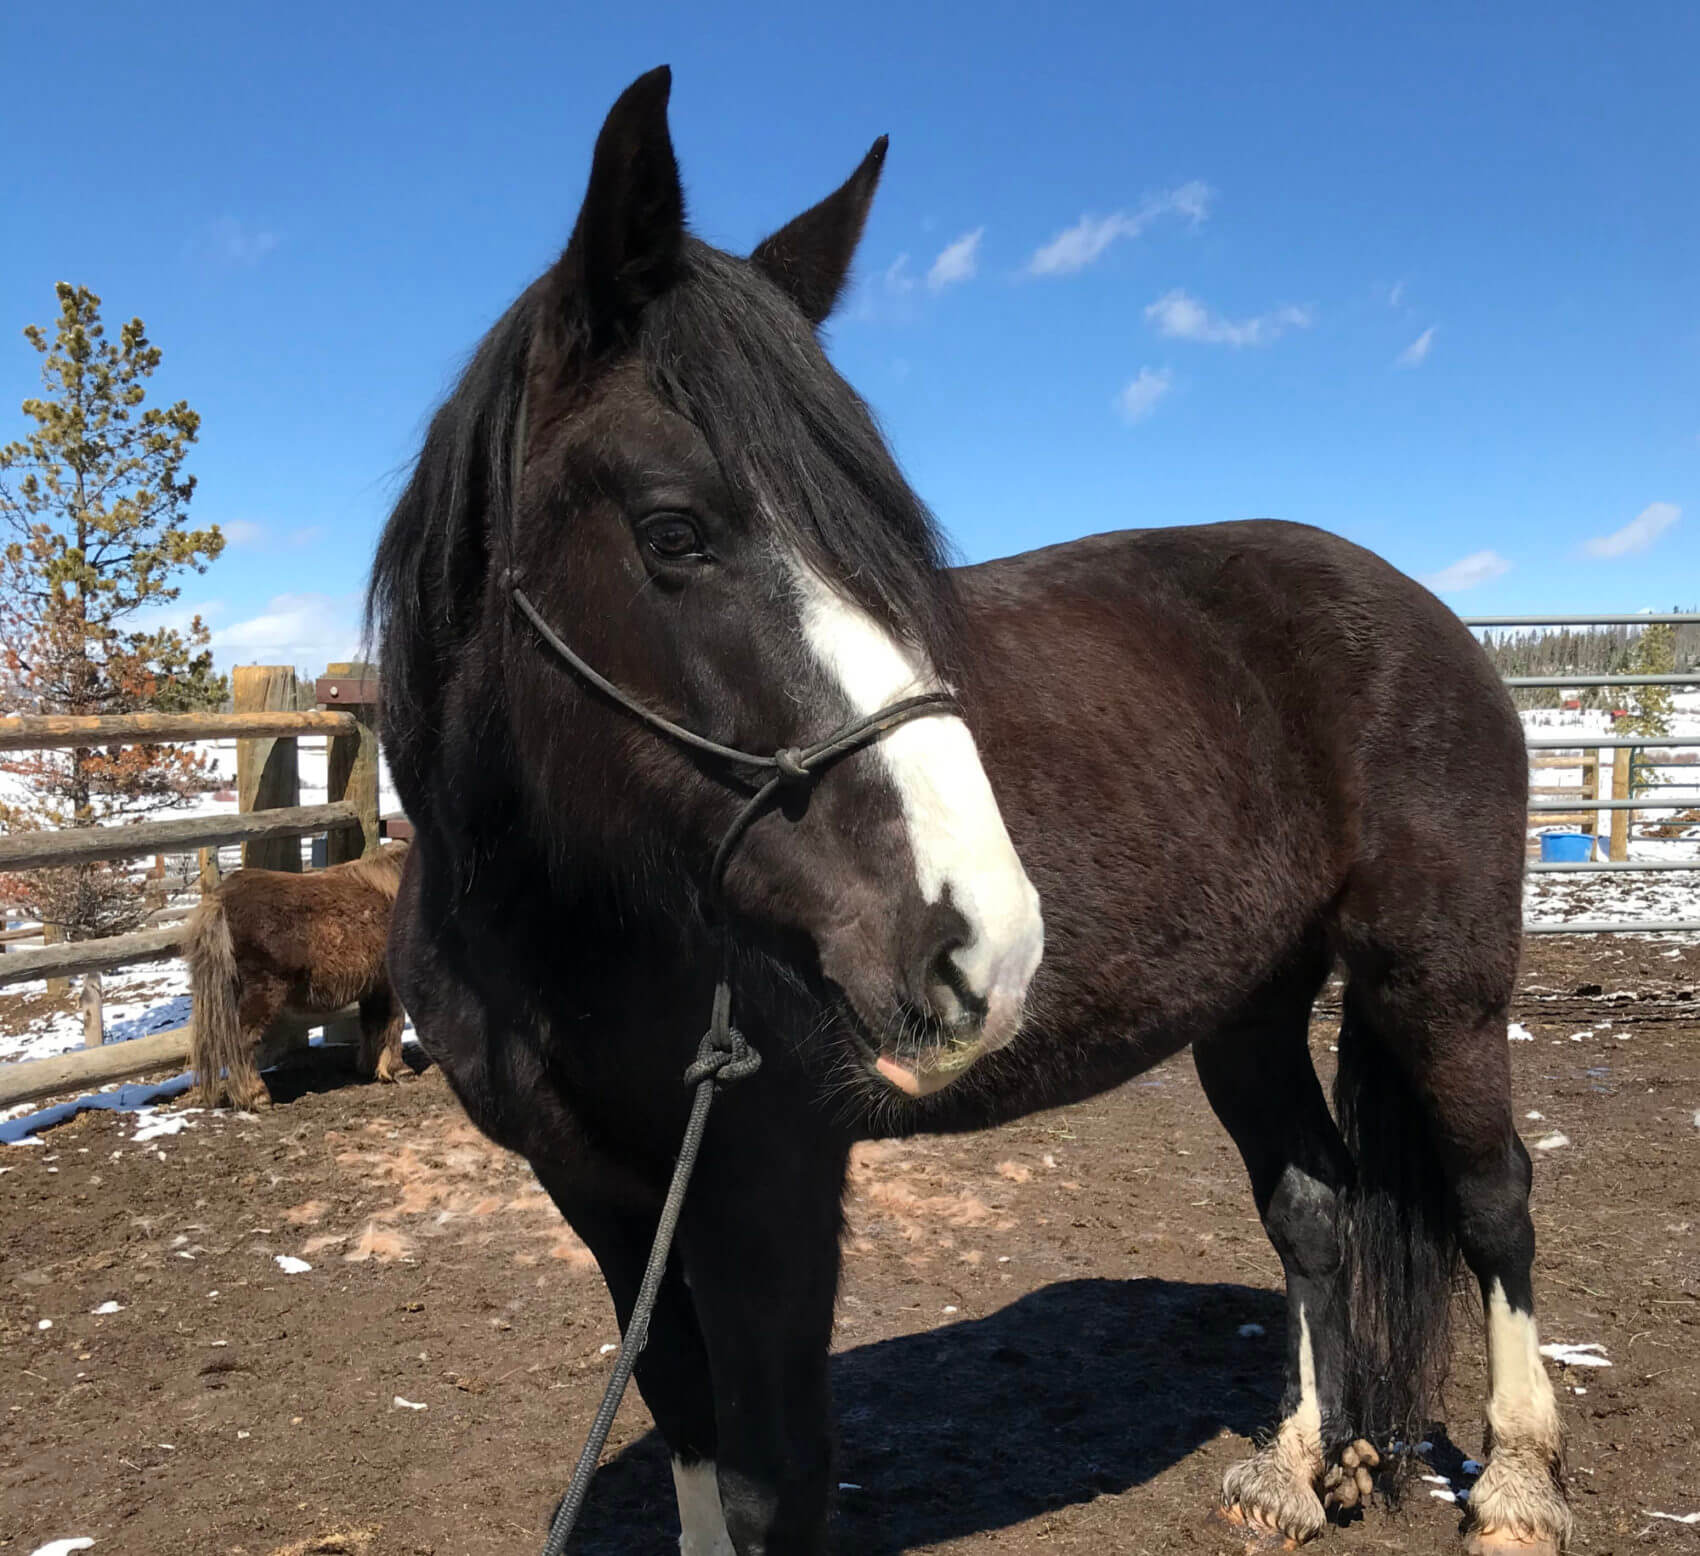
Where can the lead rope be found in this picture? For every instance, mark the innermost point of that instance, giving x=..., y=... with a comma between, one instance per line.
x=724, y=1054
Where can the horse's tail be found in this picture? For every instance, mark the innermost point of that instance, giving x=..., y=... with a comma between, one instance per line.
x=1400, y=1243
x=215, y=1031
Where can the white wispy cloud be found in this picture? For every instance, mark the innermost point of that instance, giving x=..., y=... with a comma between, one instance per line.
x=1479, y=567
x=958, y=262
x=1415, y=354
x=1140, y=397
x=1076, y=247
x=233, y=242
x=244, y=532
x=898, y=280
x=305, y=630
x=251, y=535
x=1181, y=316
x=1638, y=534
x=1395, y=294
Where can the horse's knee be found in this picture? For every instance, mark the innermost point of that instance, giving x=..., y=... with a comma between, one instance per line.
x=1301, y=1219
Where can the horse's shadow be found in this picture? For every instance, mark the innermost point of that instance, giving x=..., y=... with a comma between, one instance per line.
x=1081, y=1388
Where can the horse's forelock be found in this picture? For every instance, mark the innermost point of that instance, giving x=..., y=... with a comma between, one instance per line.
x=726, y=350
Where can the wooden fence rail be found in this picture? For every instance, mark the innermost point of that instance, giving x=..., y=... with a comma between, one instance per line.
x=85, y=845
x=63, y=958
x=45, y=731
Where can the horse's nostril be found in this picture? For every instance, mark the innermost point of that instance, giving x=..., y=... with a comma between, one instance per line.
x=940, y=986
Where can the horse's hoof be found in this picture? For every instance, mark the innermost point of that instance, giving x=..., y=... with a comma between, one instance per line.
x=1272, y=1497
x=1507, y=1542
x=1255, y=1538
x=1517, y=1506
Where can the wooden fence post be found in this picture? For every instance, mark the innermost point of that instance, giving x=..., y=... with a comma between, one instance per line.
x=211, y=874
x=93, y=1008
x=1620, y=765
x=57, y=988
x=268, y=774
x=1590, y=788
x=351, y=761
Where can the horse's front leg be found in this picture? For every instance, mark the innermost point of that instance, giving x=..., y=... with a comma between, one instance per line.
x=761, y=1255
x=672, y=1369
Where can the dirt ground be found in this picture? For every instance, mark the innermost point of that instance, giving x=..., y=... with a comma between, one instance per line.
x=1042, y=1341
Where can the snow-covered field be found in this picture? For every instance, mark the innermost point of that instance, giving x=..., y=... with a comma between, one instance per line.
x=1650, y=896
x=152, y=998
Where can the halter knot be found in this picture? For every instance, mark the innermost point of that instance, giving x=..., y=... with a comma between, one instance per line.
x=789, y=761
x=724, y=1055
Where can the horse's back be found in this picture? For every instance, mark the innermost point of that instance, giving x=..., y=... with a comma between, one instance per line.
x=1248, y=634
x=325, y=929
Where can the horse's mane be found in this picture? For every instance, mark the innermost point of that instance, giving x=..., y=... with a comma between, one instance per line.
x=725, y=349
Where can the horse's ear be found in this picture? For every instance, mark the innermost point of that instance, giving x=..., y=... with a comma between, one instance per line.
x=809, y=258
x=625, y=248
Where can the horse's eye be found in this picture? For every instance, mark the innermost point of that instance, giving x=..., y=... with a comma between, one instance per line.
x=672, y=536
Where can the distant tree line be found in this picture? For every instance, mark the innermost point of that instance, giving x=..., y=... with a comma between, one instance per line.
x=1650, y=650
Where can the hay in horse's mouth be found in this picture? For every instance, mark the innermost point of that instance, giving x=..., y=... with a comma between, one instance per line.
x=915, y=1069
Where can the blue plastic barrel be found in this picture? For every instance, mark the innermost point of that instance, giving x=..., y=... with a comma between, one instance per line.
x=1566, y=848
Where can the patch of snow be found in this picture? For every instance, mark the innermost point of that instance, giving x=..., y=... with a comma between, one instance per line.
x=290, y=1265
x=107, y=1307
x=83, y=1542
x=1552, y=1142
x=46, y=1323
x=1569, y=1355
x=1518, y=1033
x=1539, y=1118
x=1675, y=1518
x=156, y=1123
x=407, y=1404
x=1471, y=1467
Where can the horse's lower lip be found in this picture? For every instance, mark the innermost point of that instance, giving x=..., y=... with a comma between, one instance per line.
x=923, y=1075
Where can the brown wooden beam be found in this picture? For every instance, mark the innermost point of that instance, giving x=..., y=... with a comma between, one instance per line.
x=43, y=731
x=86, y=956
x=83, y=845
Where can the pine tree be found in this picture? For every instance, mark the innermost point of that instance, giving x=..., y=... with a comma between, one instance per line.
x=94, y=517
x=1654, y=654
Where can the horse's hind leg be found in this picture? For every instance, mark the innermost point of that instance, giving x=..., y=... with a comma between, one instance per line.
x=672, y=1370
x=381, y=1020
x=261, y=1004
x=1450, y=1043
x=1258, y=1076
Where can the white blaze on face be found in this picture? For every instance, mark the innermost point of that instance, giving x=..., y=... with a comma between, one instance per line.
x=702, y=1523
x=956, y=833
x=1521, y=1407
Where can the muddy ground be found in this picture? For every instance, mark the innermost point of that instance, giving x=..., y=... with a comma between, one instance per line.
x=1041, y=1342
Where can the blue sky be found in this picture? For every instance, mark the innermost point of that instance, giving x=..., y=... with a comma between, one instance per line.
x=1422, y=275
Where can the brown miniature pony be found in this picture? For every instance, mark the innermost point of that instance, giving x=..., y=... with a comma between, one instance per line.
x=270, y=941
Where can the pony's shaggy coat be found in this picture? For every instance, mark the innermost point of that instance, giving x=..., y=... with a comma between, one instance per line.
x=270, y=941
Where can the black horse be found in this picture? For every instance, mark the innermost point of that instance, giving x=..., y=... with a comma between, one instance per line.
x=651, y=444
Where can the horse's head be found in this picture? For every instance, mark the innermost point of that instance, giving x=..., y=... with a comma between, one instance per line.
x=705, y=511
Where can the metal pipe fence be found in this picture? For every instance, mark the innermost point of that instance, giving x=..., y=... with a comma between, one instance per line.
x=1583, y=803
